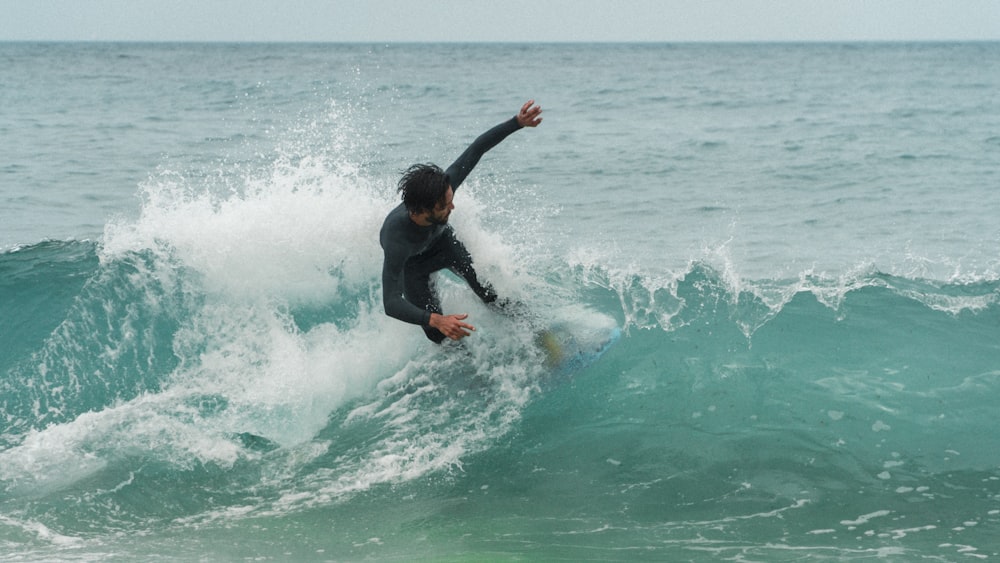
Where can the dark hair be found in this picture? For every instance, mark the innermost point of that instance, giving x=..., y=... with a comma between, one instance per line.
x=422, y=187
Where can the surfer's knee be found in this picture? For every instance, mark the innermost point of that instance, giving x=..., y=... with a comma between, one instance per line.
x=486, y=293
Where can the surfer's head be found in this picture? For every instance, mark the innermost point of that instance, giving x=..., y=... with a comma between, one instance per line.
x=423, y=188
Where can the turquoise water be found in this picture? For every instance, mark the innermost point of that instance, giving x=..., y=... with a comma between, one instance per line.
x=798, y=242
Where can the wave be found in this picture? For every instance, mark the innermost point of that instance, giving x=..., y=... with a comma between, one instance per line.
x=190, y=350
x=224, y=357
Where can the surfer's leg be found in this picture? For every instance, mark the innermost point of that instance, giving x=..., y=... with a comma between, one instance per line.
x=460, y=261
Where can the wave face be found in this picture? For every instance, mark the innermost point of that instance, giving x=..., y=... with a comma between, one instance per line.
x=168, y=392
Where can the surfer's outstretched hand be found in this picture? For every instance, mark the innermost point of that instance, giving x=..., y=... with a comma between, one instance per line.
x=529, y=116
x=452, y=325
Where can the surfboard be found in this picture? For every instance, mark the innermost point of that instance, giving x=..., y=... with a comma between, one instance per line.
x=569, y=347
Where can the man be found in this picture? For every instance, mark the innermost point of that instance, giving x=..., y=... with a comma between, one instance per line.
x=418, y=241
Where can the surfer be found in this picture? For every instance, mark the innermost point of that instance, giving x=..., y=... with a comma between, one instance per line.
x=418, y=241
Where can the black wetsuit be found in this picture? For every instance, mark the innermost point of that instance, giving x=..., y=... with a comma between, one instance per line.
x=413, y=252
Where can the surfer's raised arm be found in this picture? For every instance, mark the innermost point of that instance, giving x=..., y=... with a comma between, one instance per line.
x=528, y=116
x=418, y=241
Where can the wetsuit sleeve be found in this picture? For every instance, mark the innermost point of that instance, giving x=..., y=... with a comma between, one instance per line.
x=462, y=166
x=395, y=305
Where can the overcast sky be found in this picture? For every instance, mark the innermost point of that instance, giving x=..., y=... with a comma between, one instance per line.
x=500, y=20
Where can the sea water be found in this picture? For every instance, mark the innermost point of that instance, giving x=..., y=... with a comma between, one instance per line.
x=799, y=243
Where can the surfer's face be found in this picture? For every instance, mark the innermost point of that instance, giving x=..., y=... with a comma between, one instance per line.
x=441, y=212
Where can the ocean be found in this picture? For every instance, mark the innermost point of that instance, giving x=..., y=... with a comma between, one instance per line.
x=798, y=242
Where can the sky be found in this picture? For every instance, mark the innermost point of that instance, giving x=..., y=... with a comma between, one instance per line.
x=386, y=21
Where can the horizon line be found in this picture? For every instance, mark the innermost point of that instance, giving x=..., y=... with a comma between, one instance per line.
x=499, y=42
